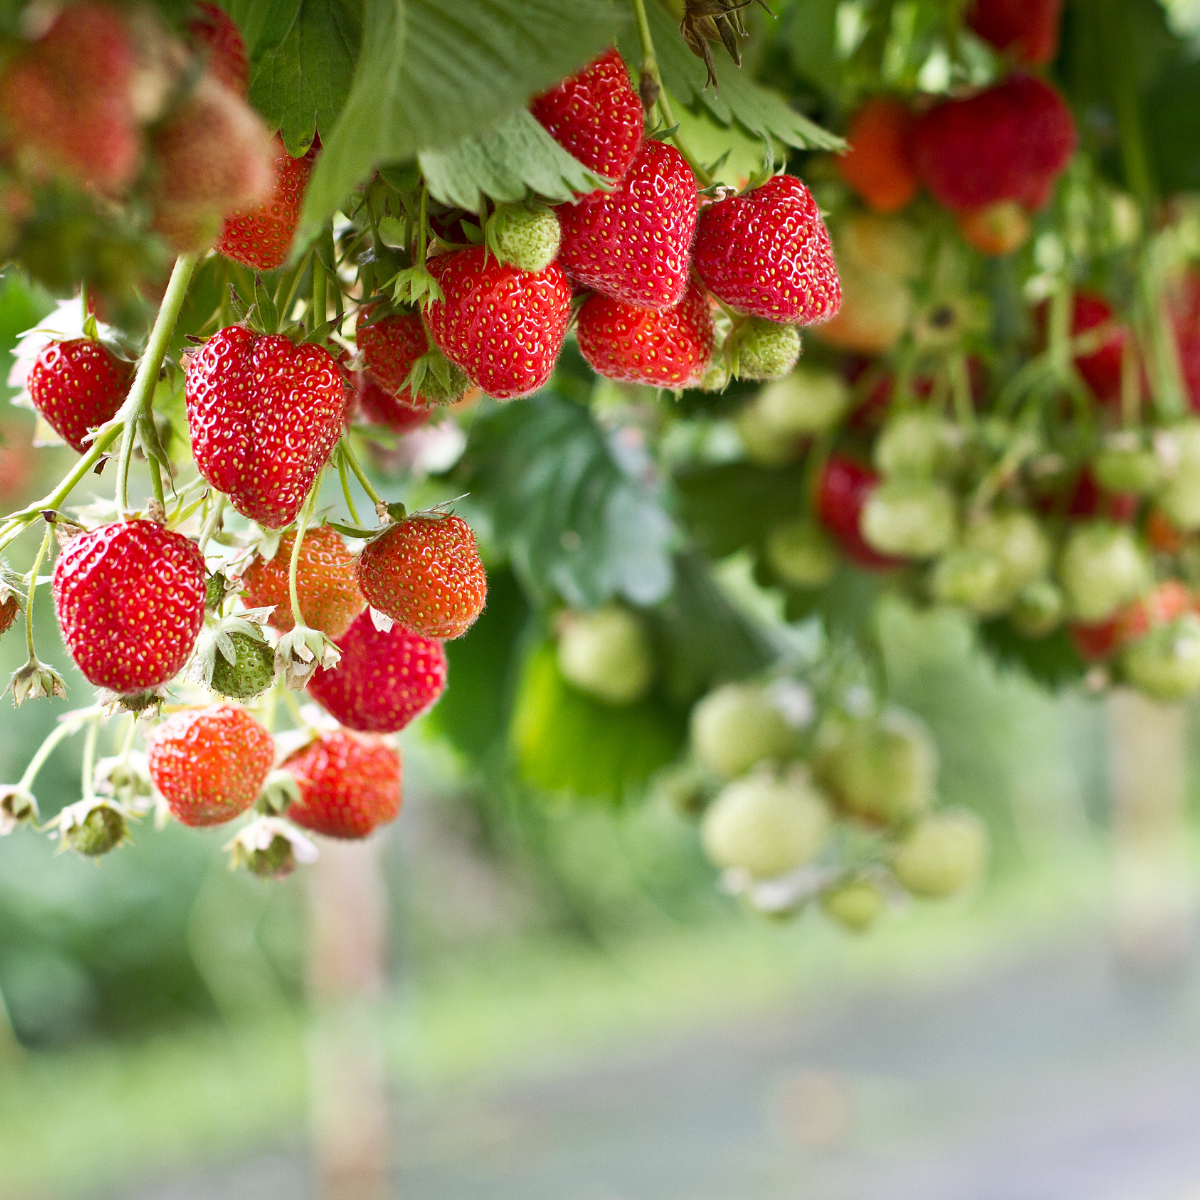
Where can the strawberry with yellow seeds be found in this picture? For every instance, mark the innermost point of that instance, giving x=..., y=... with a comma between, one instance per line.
x=76, y=386
x=349, y=784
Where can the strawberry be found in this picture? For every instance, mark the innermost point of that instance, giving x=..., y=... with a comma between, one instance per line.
x=643, y=345
x=215, y=31
x=942, y=854
x=16, y=461
x=325, y=583
x=606, y=654
x=767, y=252
x=1101, y=369
x=209, y=763
x=632, y=243
x=736, y=727
x=251, y=671
x=503, y=326
x=349, y=784
x=879, y=165
x=425, y=573
x=10, y=606
x=384, y=679
x=130, y=602
x=263, y=415
x=78, y=385
x=1103, y=567
x=68, y=100
x=525, y=236
x=1006, y=143
x=843, y=489
x=996, y=230
x=766, y=351
x=377, y=406
x=261, y=237
x=1026, y=29
x=595, y=116
x=391, y=347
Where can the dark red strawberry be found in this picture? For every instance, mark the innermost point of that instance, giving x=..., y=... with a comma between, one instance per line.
x=1102, y=368
x=390, y=346
x=1026, y=29
x=261, y=237
x=632, y=243
x=130, y=603
x=264, y=415
x=209, y=763
x=349, y=784
x=503, y=326
x=843, y=489
x=384, y=680
x=767, y=253
x=595, y=116
x=78, y=385
x=216, y=32
x=377, y=406
x=425, y=573
x=644, y=345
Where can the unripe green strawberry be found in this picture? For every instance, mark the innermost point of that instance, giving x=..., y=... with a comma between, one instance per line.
x=736, y=727
x=1016, y=540
x=910, y=518
x=805, y=402
x=1128, y=470
x=1178, y=450
x=942, y=854
x=855, y=904
x=1038, y=609
x=1102, y=568
x=801, y=553
x=916, y=444
x=766, y=826
x=607, y=655
x=92, y=828
x=1165, y=663
x=525, y=238
x=250, y=674
x=766, y=350
x=880, y=768
x=970, y=579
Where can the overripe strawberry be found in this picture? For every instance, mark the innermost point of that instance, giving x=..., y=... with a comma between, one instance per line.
x=326, y=585
x=503, y=326
x=349, y=784
x=767, y=253
x=595, y=116
x=384, y=679
x=263, y=415
x=425, y=573
x=261, y=237
x=209, y=763
x=78, y=385
x=843, y=489
x=9, y=608
x=68, y=102
x=644, y=345
x=632, y=243
x=216, y=32
x=1026, y=29
x=880, y=165
x=130, y=602
x=1006, y=143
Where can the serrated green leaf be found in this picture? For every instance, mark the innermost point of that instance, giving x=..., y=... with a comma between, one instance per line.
x=506, y=163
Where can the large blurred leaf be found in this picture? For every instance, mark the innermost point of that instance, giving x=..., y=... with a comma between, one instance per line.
x=733, y=505
x=811, y=37
x=1051, y=661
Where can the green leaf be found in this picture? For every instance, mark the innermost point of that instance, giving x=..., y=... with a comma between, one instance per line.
x=435, y=71
x=733, y=505
x=812, y=42
x=1051, y=661
x=570, y=518
x=505, y=164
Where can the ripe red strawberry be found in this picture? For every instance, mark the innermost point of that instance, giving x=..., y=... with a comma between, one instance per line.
x=595, y=116
x=325, y=583
x=130, y=603
x=349, y=784
x=1006, y=143
x=377, y=406
x=503, y=326
x=68, y=103
x=879, y=165
x=264, y=416
x=390, y=346
x=1102, y=368
x=767, y=253
x=1184, y=308
x=209, y=763
x=643, y=345
x=425, y=573
x=632, y=243
x=843, y=489
x=1026, y=29
x=216, y=32
x=384, y=679
x=261, y=237
x=78, y=385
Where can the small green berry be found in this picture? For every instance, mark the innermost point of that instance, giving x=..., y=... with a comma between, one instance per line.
x=525, y=238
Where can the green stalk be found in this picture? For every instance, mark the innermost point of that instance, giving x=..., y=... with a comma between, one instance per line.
x=356, y=467
x=346, y=493
x=320, y=294
x=61, y=731
x=33, y=582
x=294, y=565
x=212, y=520
x=89, y=759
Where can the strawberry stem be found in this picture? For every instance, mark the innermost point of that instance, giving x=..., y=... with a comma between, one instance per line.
x=33, y=582
x=294, y=565
x=66, y=727
x=346, y=493
x=356, y=467
x=89, y=758
x=212, y=521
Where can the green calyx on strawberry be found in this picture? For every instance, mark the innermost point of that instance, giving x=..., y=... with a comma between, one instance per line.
x=910, y=518
x=942, y=854
x=92, y=827
x=763, y=350
x=270, y=848
x=524, y=236
x=1165, y=662
x=234, y=658
x=17, y=805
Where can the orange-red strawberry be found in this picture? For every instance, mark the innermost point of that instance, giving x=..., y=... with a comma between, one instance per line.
x=261, y=237
x=632, y=243
x=78, y=385
x=880, y=165
x=384, y=679
x=349, y=784
x=263, y=415
x=326, y=585
x=643, y=345
x=1026, y=29
x=209, y=763
x=130, y=603
x=67, y=101
x=767, y=253
x=503, y=326
x=216, y=32
x=425, y=573
x=595, y=116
